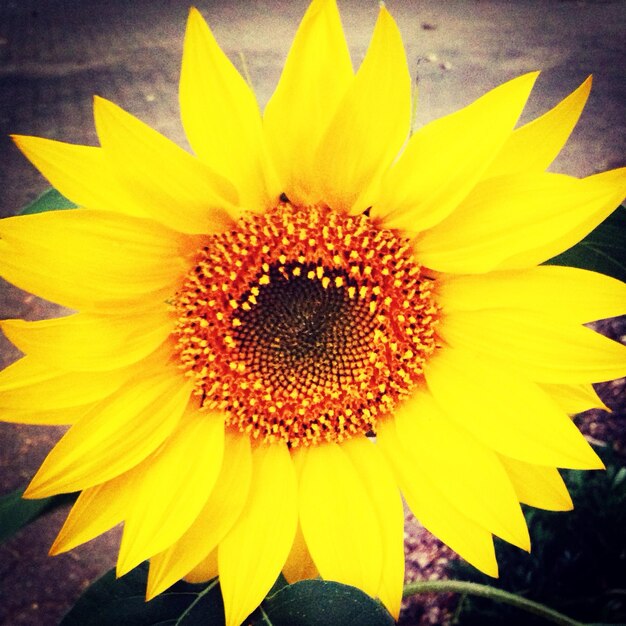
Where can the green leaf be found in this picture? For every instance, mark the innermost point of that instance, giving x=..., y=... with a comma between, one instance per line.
x=319, y=603
x=15, y=512
x=603, y=250
x=116, y=602
x=121, y=602
x=50, y=200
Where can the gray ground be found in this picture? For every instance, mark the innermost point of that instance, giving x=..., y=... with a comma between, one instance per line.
x=55, y=54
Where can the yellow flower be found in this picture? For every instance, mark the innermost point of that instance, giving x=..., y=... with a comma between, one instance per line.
x=250, y=316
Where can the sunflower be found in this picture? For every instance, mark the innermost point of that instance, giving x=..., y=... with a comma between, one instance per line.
x=315, y=313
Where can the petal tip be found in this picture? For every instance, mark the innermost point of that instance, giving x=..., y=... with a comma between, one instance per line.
x=196, y=22
x=522, y=537
x=152, y=590
x=26, y=143
x=530, y=77
x=17, y=140
x=102, y=104
x=384, y=15
x=493, y=570
x=194, y=16
x=123, y=566
x=588, y=459
x=156, y=584
x=36, y=491
x=58, y=546
x=524, y=82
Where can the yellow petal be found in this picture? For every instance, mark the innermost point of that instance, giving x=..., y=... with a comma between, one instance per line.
x=96, y=510
x=220, y=512
x=505, y=411
x=29, y=384
x=80, y=173
x=204, y=571
x=171, y=493
x=444, y=160
x=221, y=116
x=315, y=78
x=535, y=145
x=517, y=221
x=538, y=486
x=32, y=392
x=254, y=551
x=299, y=564
x=332, y=497
x=372, y=468
x=48, y=417
x=370, y=125
x=566, y=292
x=172, y=186
x=470, y=540
x=114, y=436
x=88, y=342
x=467, y=473
x=601, y=194
x=542, y=348
x=574, y=398
x=85, y=259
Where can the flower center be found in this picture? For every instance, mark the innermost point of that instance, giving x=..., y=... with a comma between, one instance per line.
x=304, y=325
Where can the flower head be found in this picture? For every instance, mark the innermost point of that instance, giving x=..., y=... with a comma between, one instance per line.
x=277, y=336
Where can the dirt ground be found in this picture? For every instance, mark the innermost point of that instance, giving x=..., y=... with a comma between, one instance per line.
x=55, y=54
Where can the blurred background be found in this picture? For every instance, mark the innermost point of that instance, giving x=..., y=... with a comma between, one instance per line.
x=56, y=54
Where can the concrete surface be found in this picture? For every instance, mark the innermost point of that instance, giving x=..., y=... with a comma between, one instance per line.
x=55, y=54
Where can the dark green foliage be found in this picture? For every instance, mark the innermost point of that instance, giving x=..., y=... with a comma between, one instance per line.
x=15, y=512
x=578, y=560
x=603, y=250
x=50, y=200
x=116, y=602
x=321, y=602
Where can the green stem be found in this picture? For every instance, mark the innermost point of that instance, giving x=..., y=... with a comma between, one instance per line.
x=265, y=617
x=485, y=591
x=197, y=599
